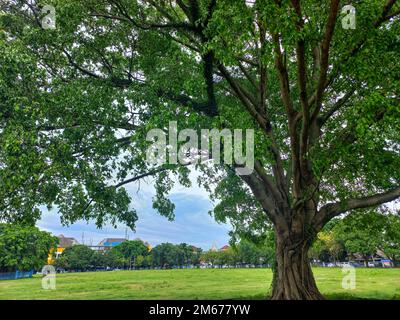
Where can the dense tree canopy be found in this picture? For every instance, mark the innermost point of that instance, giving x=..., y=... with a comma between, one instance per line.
x=361, y=233
x=24, y=247
x=131, y=249
x=165, y=255
x=168, y=255
x=391, y=237
x=328, y=247
x=323, y=101
x=367, y=232
x=78, y=257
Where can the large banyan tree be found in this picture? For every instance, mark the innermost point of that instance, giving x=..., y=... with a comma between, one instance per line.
x=320, y=87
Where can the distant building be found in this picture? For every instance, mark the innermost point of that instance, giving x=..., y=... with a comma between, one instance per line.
x=196, y=249
x=63, y=243
x=66, y=242
x=224, y=248
x=109, y=243
x=377, y=259
x=98, y=248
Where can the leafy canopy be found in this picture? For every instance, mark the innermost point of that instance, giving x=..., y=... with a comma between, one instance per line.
x=78, y=101
x=24, y=247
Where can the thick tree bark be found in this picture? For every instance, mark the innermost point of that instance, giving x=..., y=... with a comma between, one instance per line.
x=293, y=277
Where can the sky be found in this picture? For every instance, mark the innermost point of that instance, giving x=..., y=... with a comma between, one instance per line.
x=192, y=223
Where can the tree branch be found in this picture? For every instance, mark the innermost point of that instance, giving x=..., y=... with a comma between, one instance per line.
x=283, y=77
x=149, y=173
x=243, y=96
x=302, y=84
x=354, y=50
x=331, y=210
x=324, y=63
x=339, y=104
x=268, y=181
x=385, y=13
x=140, y=176
x=261, y=194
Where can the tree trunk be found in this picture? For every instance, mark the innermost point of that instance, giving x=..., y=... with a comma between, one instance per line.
x=293, y=278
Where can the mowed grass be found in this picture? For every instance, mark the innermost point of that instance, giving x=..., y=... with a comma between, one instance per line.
x=197, y=284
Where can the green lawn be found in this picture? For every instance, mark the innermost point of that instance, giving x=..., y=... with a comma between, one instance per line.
x=197, y=284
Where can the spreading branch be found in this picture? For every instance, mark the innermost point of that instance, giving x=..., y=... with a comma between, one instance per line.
x=332, y=210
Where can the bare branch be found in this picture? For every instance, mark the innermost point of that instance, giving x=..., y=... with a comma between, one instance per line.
x=140, y=176
x=149, y=173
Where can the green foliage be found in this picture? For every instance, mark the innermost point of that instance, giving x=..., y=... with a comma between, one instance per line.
x=126, y=254
x=363, y=232
x=77, y=102
x=328, y=247
x=24, y=247
x=78, y=257
x=188, y=254
x=168, y=255
x=131, y=249
x=114, y=259
x=391, y=237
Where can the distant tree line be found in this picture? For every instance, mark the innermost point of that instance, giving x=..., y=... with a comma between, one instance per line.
x=136, y=255
x=240, y=254
x=24, y=247
x=129, y=255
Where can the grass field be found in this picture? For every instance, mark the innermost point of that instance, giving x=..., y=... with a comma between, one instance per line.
x=197, y=284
